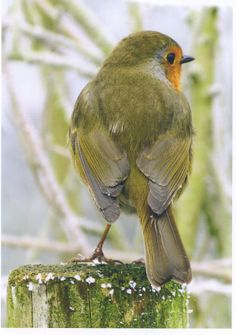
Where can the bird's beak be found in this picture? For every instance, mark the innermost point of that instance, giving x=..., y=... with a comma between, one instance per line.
x=186, y=59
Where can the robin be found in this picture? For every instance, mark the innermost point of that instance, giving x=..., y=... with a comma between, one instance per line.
x=131, y=138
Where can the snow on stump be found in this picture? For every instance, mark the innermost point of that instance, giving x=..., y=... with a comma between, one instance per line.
x=92, y=296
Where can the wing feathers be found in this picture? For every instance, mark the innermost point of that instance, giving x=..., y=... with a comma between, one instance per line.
x=166, y=164
x=103, y=173
x=108, y=165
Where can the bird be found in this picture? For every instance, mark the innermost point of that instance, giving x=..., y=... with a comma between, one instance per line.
x=131, y=139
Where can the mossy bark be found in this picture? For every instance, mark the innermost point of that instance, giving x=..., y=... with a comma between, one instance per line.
x=92, y=296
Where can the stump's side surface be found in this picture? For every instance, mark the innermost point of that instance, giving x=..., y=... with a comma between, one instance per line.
x=79, y=295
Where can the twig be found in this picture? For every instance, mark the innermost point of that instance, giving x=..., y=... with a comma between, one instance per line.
x=51, y=38
x=89, y=22
x=134, y=13
x=43, y=173
x=219, y=269
x=197, y=287
x=29, y=242
x=49, y=58
x=58, y=149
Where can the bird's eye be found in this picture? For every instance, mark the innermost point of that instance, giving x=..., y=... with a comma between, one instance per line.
x=170, y=58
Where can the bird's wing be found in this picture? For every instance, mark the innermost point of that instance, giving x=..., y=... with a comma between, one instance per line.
x=166, y=164
x=99, y=161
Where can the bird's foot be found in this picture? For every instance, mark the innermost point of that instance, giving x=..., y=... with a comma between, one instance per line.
x=97, y=258
x=139, y=261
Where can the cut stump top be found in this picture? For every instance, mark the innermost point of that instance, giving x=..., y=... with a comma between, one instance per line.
x=92, y=296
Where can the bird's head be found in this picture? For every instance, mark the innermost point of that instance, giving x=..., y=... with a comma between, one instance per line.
x=150, y=47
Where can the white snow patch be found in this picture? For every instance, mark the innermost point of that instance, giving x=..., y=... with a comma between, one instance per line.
x=30, y=286
x=181, y=290
x=129, y=291
x=49, y=277
x=96, y=261
x=132, y=284
x=106, y=285
x=39, y=278
x=156, y=289
x=111, y=292
x=90, y=280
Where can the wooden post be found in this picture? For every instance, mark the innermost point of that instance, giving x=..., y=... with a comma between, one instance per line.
x=92, y=296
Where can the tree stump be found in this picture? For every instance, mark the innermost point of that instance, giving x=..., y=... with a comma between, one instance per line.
x=92, y=296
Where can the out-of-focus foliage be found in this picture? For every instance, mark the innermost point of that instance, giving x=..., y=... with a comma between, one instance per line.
x=51, y=49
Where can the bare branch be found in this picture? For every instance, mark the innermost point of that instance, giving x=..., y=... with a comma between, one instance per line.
x=51, y=38
x=88, y=21
x=219, y=269
x=134, y=13
x=197, y=287
x=58, y=149
x=29, y=242
x=49, y=58
x=42, y=170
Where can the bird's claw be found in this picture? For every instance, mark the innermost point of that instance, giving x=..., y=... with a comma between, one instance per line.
x=139, y=261
x=96, y=258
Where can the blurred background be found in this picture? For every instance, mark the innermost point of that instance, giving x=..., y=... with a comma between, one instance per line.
x=51, y=49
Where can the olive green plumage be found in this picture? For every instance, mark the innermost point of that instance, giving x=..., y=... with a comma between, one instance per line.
x=131, y=141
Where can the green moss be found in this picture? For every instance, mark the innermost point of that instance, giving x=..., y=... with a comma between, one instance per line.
x=19, y=305
x=88, y=296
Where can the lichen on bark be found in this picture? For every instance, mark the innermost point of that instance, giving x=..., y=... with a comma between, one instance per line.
x=92, y=296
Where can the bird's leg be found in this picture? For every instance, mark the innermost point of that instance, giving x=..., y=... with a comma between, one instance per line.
x=98, y=252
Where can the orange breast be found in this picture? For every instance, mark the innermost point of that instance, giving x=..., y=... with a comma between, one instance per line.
x=173, y=75
x=173, y=71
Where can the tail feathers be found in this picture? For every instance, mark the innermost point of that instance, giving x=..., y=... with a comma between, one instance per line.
x=165, y=255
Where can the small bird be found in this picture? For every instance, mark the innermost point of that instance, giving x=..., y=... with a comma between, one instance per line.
x=131, y=138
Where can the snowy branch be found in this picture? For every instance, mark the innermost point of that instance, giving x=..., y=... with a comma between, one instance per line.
x=51, y=59
x=43, y=172
x=198, y=287
x=218, y=269
x=28, y=242
x=88, y=21
x=52, y=39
